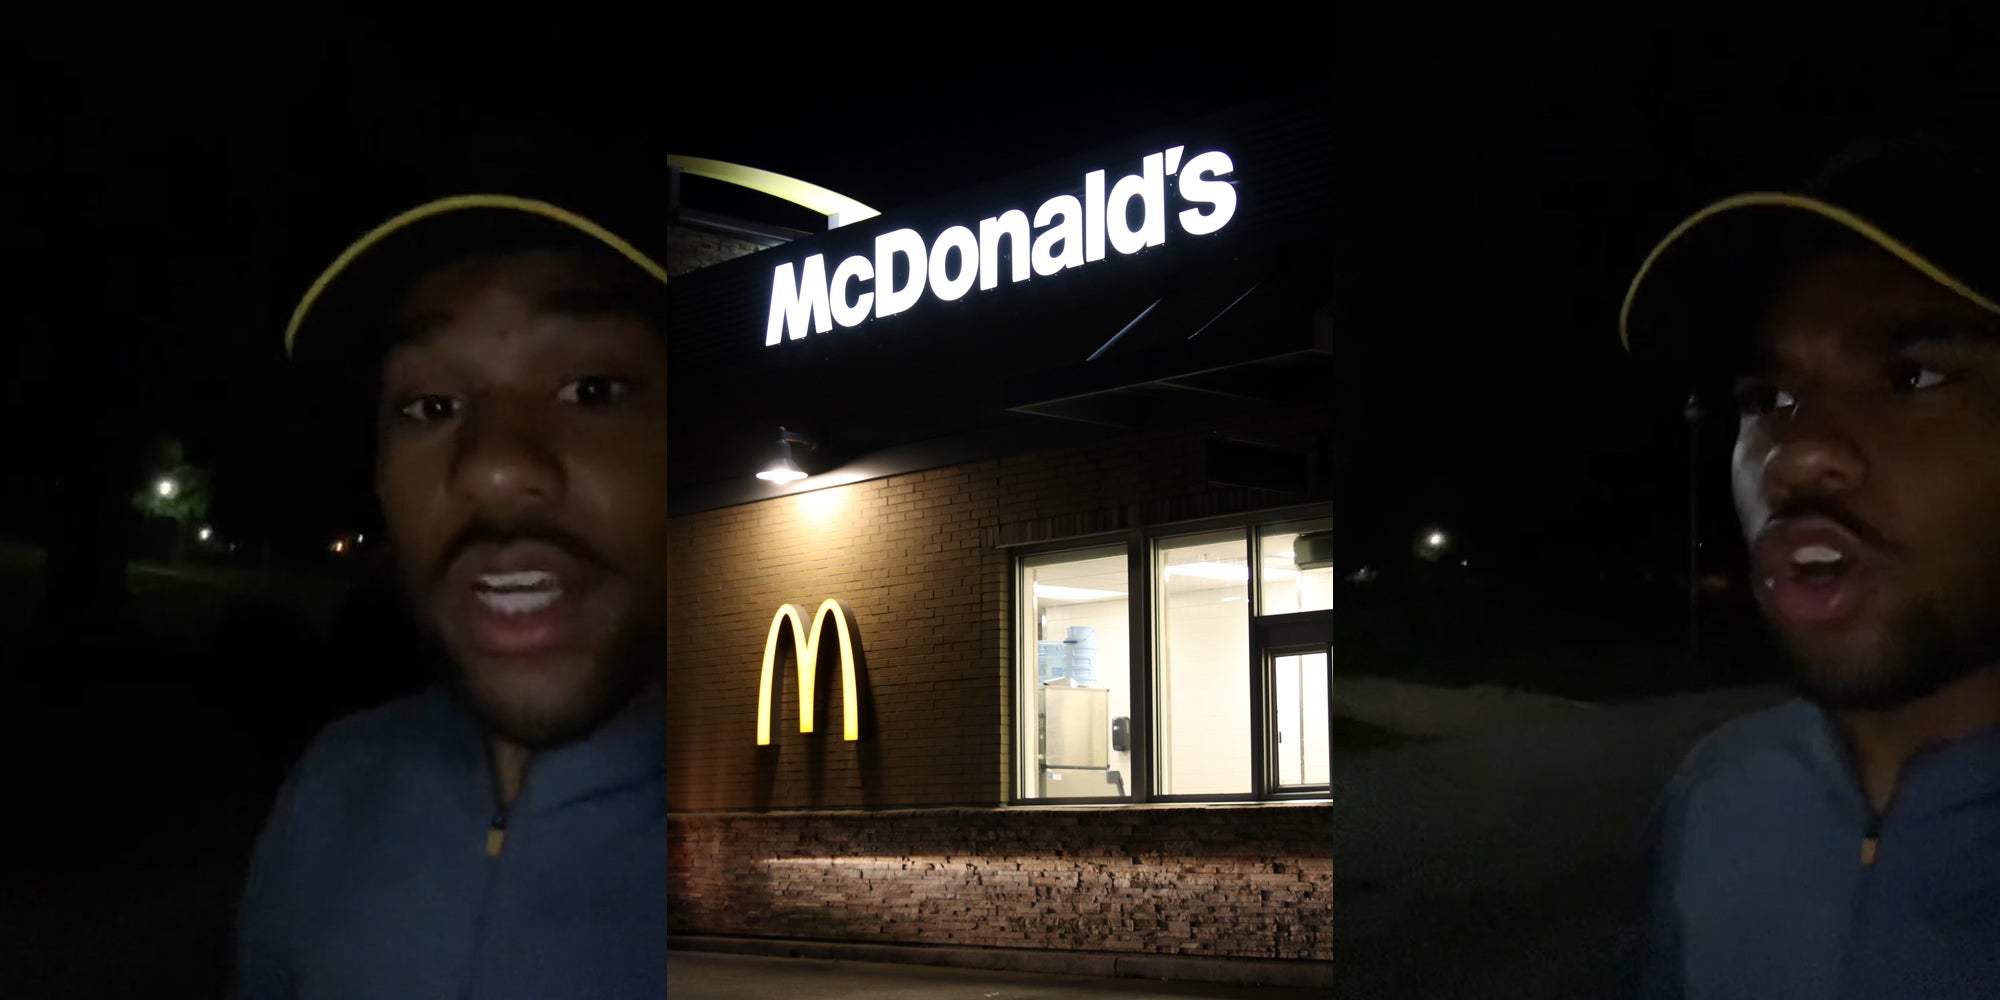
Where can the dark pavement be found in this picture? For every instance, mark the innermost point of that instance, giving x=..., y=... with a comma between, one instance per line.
x=693, y=975
x=131, y=812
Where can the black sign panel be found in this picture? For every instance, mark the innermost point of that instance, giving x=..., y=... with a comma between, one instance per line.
x=942, y=367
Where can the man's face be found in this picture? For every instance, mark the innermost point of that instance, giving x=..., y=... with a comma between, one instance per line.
x=1867, y=476
x=522, y=472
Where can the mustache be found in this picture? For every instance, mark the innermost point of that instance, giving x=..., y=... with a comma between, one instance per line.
x=496, y=532
x=1823, y=508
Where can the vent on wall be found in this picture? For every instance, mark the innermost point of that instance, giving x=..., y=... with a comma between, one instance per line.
x=1314, y=550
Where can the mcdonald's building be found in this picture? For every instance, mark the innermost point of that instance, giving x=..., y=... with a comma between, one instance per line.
x=1003, y=582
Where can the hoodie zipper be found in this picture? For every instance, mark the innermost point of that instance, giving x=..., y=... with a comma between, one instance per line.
x=496, y=834
x=496, y=843
x=1862, y=904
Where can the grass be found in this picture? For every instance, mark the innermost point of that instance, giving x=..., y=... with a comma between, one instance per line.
x=186, y=602
x=1350, y=735
x=1585, y=646
x=146, y=796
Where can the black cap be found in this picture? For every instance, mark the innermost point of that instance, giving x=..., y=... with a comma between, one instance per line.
x=539, y=198
x=1934, y=205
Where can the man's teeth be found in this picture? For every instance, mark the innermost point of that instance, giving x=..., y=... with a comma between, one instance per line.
x=519, y=593
x=1816, y=555
x=518, y=602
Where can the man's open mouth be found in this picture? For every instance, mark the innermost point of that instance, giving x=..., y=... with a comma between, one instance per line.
x=1812, y=571
x=1818, y=564
x=518, y=593
x=519, y=598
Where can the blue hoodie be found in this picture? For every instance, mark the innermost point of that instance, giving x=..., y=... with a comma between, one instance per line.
x=386, y=869
x=1772, y=879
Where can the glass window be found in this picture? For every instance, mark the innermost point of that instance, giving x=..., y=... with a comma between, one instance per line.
x=1299, y=701
x=1202, y=656
x=1296, y=567
x=1232, y=688
x=1075, y=674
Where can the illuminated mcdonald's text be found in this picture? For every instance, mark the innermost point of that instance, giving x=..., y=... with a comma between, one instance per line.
x=806, y=647
x=1065, y=232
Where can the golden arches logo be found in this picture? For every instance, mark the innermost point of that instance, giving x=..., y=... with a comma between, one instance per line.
x=806, y=646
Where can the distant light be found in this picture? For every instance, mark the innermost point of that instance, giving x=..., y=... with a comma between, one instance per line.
x=1432, y=543
x=340, y=546
x=358, y=539
x=1465, y=562
x=166, y=487
x=205, y=534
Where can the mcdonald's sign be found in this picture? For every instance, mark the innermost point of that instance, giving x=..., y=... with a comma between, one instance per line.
x=806, y=646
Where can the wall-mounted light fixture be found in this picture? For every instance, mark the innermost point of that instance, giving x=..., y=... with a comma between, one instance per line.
x=784, y=470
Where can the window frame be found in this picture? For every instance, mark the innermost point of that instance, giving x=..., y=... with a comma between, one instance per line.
x=1304, y=630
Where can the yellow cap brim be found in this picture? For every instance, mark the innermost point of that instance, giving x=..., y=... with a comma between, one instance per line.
x=1796, y=202
x=446, y=206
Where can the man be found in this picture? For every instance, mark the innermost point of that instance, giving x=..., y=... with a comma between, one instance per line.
x=503, y=834
x=1847, y=844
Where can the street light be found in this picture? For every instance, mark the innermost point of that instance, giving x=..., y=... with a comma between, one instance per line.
x=784, y=470
x=166, y=488
x=1432, y=544
x=204, y=534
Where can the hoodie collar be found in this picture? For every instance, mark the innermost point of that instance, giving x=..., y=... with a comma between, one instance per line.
x=1938, y=776
x=629, y=749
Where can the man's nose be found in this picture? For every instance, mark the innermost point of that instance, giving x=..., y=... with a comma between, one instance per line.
x=1812, y=454
x=504, y=460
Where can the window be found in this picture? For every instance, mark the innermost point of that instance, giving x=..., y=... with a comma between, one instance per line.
x=1159, y=666
x=1295, y=574
x=1300, y=709
x=1077, y=688
x=1296, y=563
x=1202, y=659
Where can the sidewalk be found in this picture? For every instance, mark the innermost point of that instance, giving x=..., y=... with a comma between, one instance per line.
x=695, y=975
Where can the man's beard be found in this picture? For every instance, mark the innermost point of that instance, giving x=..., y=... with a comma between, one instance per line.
x=630, y=661
x=1923, y=655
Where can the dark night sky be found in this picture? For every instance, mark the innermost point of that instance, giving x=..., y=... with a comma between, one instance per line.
x=1498, y=186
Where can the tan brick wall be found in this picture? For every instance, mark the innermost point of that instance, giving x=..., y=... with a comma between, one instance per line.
x=917, y=558
x=1239, y=882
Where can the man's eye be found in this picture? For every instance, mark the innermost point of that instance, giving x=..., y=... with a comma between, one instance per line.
x=594, y=390
x=1908, y=376
x=425, y=409
x=1757, y=397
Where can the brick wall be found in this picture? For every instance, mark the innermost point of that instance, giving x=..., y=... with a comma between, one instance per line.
x=1239, y=882
x=917, y=558
x=693, y=249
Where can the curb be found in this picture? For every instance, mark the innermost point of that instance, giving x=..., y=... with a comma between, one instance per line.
x=1304, y=973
